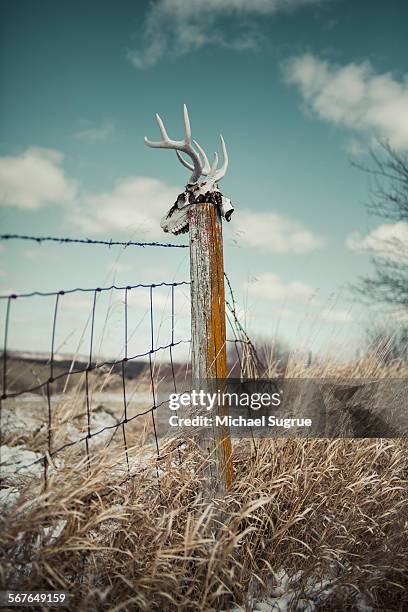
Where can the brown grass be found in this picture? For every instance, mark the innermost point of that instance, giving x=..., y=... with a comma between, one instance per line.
x=330, y=508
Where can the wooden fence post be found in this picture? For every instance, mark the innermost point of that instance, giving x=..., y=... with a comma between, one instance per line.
x=208, y=333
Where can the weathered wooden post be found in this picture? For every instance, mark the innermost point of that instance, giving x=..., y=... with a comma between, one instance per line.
x=199, y=210
x=208, y=332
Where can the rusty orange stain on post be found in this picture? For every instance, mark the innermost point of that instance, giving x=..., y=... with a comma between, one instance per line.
x=218, y=329
x=209, y=357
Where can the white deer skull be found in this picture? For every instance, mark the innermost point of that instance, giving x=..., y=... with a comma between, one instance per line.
x=204, y=190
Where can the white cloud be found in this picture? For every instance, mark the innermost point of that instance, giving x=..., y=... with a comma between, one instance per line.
x=399, y=315
x=269, y=231
x=328, y=315
x=35, y=178
x=354, y=96
x=271, y=287
x=134, y=204
x=331, y=315
x=355, y=148
x=140, y=298
x=179, y=26
x=94, y=132
x=118, y=267
x=283, y=313
x=389, y=241
x=30, y=253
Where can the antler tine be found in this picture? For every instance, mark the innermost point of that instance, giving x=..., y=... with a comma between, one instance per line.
x=219, y=174
x=187, y=124
x=162, y=128
x=179, y=145
x=214, y=165
x=207, y=170
x=205, y=166
x=185, y=163
x=166, y=143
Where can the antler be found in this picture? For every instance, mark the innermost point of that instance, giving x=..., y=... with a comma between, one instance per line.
x=180, y=145
x=211, y=171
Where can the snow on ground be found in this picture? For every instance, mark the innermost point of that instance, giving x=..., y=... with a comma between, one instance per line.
x=19, y=460
x=8, y=498
x=52, y=533
x=26, y=417
x=286, y=594
x=21, y=418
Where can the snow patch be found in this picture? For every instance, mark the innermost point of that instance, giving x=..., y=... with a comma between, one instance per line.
x=52, y=533
x=287, y=594
x=8, y=498
x=19, y=460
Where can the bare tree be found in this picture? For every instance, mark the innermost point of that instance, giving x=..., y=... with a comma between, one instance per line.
x=388, y=173
x=387, y=340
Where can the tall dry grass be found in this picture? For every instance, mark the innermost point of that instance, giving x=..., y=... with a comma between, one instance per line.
x=335, y=510
x=329, y=508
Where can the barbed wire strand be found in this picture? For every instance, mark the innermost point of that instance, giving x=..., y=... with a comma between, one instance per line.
x=109, y=243
x=240, y=337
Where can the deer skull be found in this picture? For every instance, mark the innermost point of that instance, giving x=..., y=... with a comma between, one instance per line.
x=202, y=185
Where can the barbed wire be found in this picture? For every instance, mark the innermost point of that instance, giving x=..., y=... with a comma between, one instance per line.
x=48, y=385
x=240, y=334
x=109, y=243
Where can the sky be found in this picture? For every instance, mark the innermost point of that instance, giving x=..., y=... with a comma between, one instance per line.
x=298, y=88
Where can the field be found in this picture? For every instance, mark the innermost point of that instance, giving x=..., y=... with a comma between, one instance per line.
x=314, y=524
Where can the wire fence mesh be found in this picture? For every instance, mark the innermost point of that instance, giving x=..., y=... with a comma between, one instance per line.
x=56, y=375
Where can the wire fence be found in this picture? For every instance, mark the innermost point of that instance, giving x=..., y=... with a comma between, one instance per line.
x=91, y=365
x=51, y=373
x=109, y=243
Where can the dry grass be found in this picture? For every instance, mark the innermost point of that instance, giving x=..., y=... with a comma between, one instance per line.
x=331, y=508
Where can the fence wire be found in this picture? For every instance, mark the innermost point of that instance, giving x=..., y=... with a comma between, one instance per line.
x=91, y=365
x=247, y=358
x=109, y=243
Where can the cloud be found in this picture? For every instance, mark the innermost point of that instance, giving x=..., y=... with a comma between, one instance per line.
x=93, y=132
x=354, y=96
x=388, y=241
x=355, y=148
x=400, y=315
x=336, y=316
x=118, y=267
x=328, y=315
x=30, y=253
x=178, y=27
x=269, y=231
x=35, y=178
x=140, y=298
x=134, y=204
x=271, y=287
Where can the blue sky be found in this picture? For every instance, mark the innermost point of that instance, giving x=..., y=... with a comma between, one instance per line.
x=297, y=87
